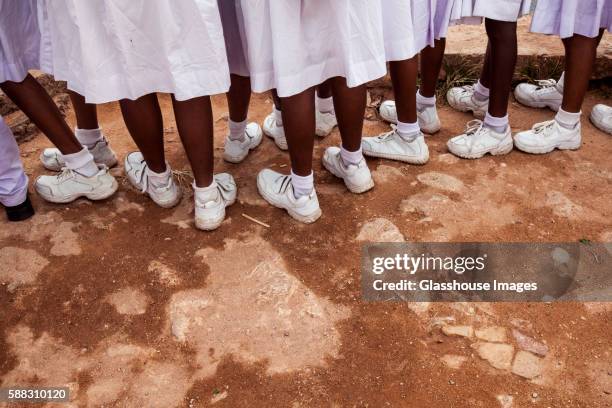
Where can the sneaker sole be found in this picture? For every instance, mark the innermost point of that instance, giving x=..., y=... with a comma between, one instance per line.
x=548, y=149
x=238, y=159
x=397, y=157
x=94, y=196
x=353, y=188
x=495, y=152
x=306, y=219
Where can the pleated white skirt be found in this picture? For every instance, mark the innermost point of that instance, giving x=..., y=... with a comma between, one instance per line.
x=296, y=44
x=108, y=50
x=568, y=17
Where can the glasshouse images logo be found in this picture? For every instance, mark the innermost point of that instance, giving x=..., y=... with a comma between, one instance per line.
x=412, y=264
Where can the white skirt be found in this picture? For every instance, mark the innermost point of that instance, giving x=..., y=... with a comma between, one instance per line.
x=568, y=17
x=408, y=27
x=19, y=39
x=233, y=32
x=293, y=45
x=108, y=50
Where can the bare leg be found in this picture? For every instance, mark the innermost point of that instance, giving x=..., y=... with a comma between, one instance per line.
x=350, y=105
x=36, y=103
x=502, y=53
x=195, y=126
x=86, y=113
x=299, y=123
x=404, y=78
x=431, y=64
x=238, y=98
x=143, y=119
x=580, y=55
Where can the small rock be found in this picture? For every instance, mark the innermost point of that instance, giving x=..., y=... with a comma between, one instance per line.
x=462, y=331
x=498, y=355
x=528, y=344
x=494, y=334
x=527, y=365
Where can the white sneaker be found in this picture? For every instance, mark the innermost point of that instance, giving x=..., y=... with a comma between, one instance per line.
x=601, y=116
x=545, y=94
x=325, y=122
x=392, y=146
x=53, y=160
x=235, y=151
x=165, y=195
x=462, y=99
x=69, y=185
x=357, y=177
x=210, y=202
x=276, y=188
x=479, y=140
x=547, y=136
x=276, y=132
x=429, y=122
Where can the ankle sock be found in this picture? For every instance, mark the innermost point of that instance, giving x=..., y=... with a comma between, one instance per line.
x=408, y=131
x=481, y=92
x=325, y=104
x=159, y=179
x=278, y=116
x=302, y=185
x=568, y=120
x=82, y=162
x=88, y=137
x=425, y=101
x=561, y=83
x=237, y=130
x=499, y=125
x=349, y=157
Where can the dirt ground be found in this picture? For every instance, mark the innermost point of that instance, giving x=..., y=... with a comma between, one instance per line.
x=128, y=305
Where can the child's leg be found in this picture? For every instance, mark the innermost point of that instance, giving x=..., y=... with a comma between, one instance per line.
x=36, y=103
x=431, y=64
x=143, y=119
x=580, y=55
x=500, y=64
x=195, y=126
x=298, y=116
x=349, y=104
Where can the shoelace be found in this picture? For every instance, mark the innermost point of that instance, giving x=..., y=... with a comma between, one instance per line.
x=546, y=83
x=541, y=127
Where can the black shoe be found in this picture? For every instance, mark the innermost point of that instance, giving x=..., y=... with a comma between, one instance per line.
x=20, y=212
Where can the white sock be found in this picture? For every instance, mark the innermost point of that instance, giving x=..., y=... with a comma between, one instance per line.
x=159, y=179
x=408, y=131
x=481, y=92
x=349, y=157
x=278, y=116
x=302, y=185
x=82, y=162
x=88, y=137
x=568, y=120
x=499, y=125
x=561, y=83
x=424, y=101
x=237, y=130
x=325, y=104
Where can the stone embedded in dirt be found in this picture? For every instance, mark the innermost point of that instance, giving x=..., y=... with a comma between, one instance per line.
x=20, y=266
x=505, y=401
x=527, y=365
x=453, y=361
x=252, y=309
x=380, y=230
x=385, y=173
x=129, y=301
x=166, y=275
x=441, y=181
x=498, y=355
x=461, y=331
x=529, y=344
x=493, y=334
